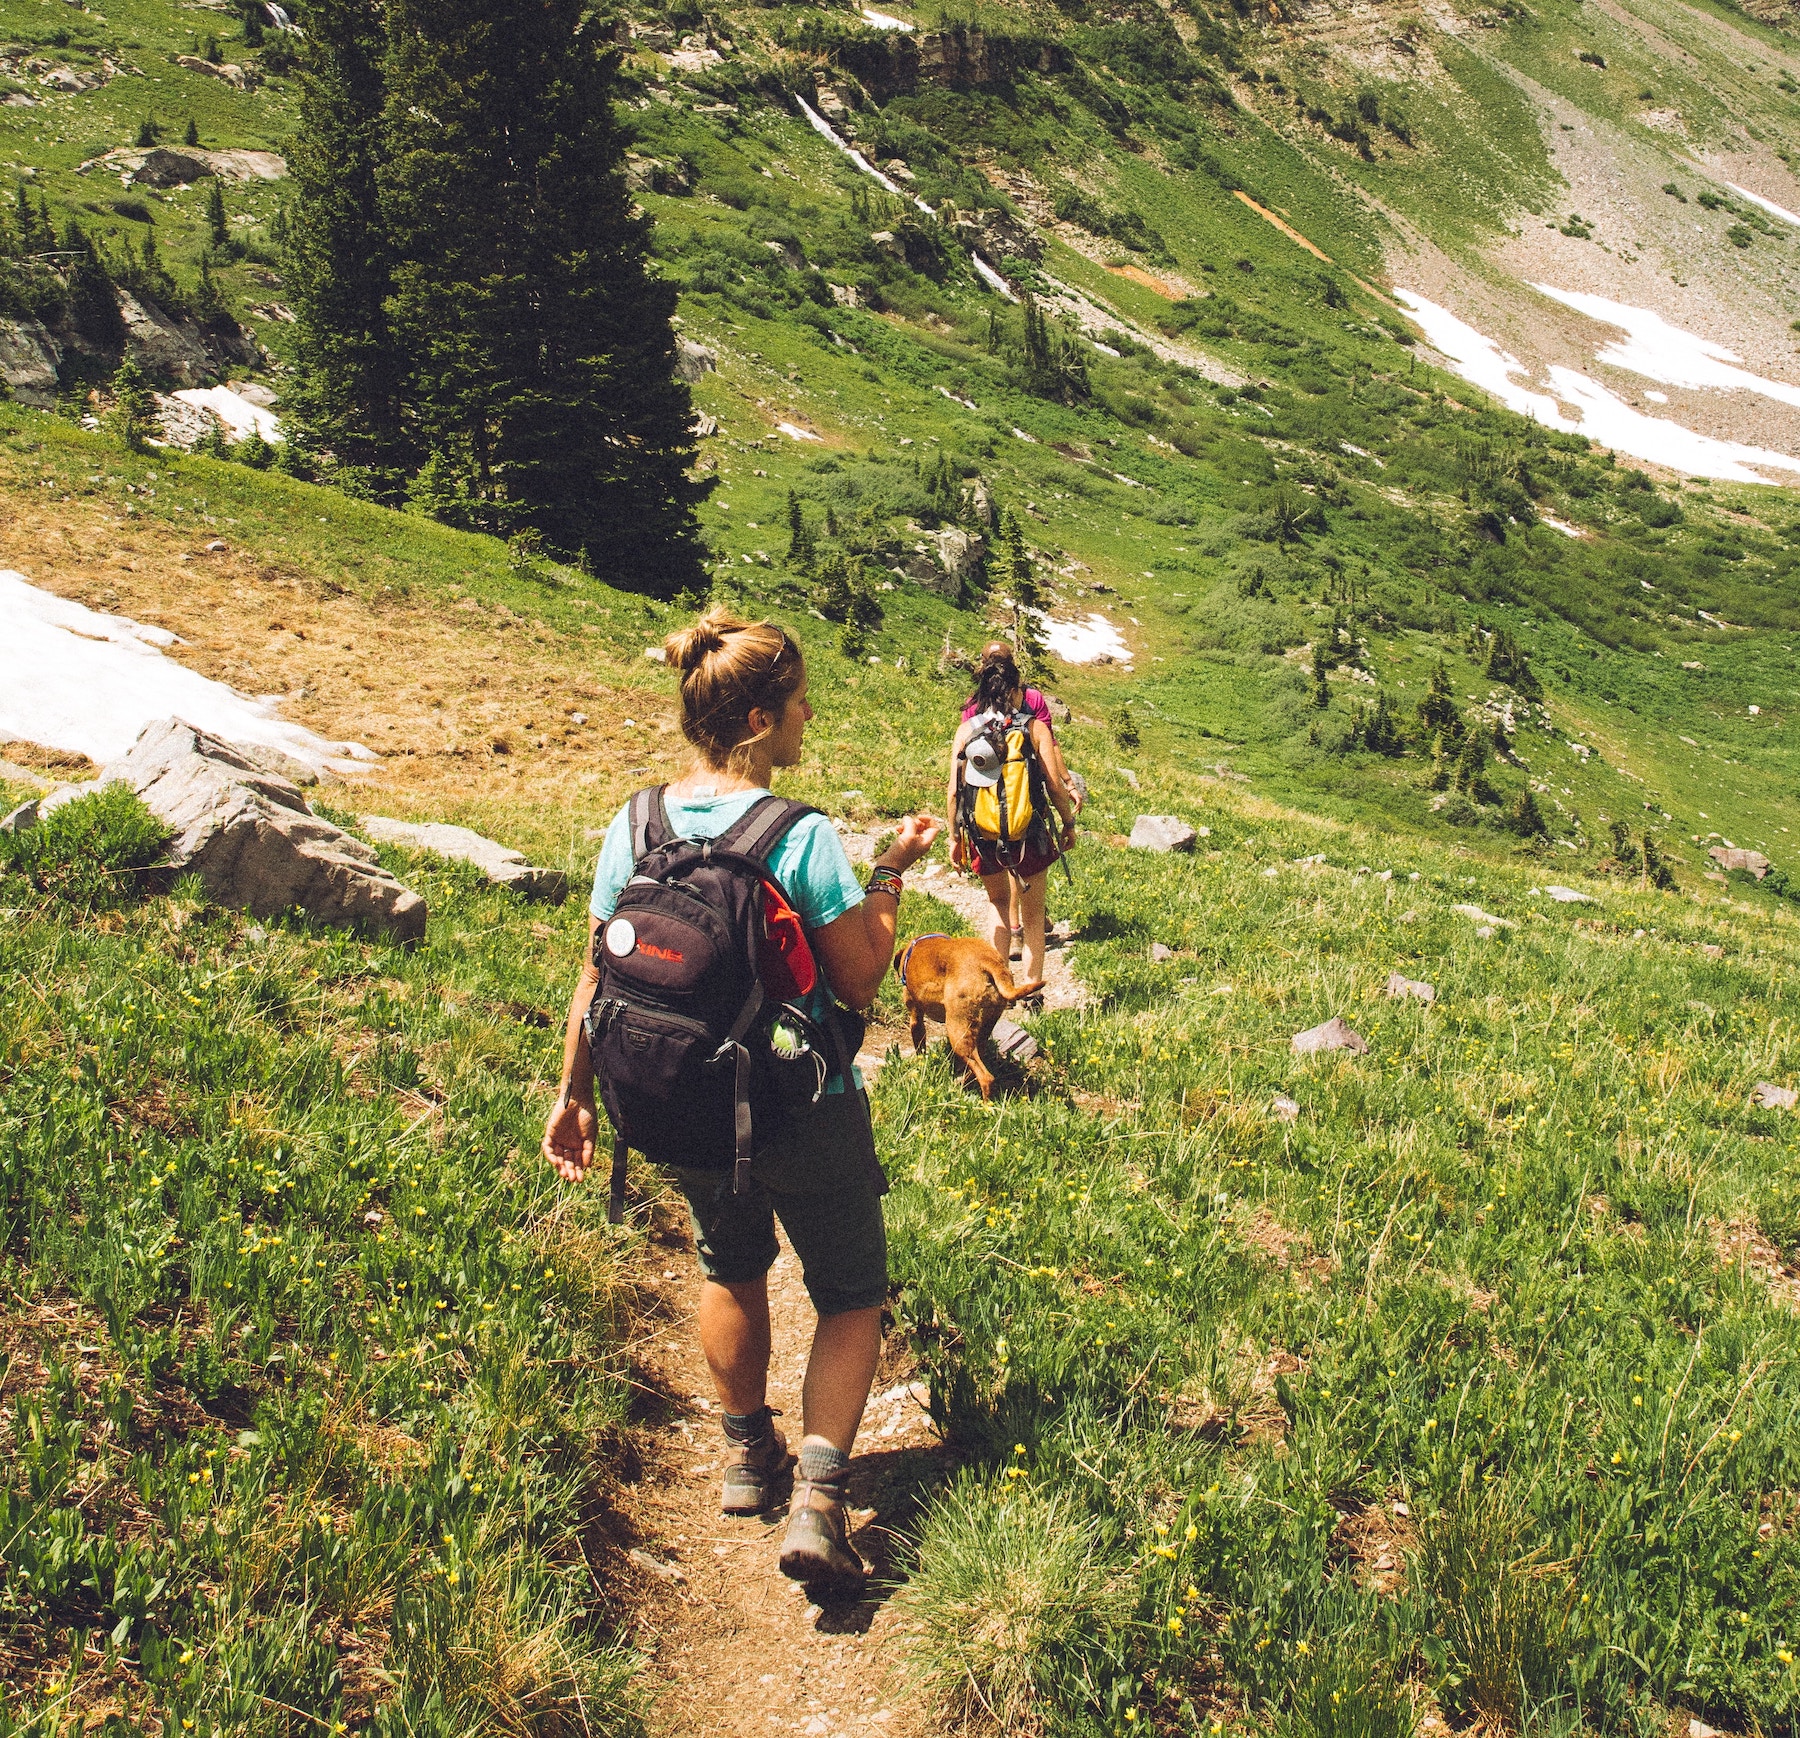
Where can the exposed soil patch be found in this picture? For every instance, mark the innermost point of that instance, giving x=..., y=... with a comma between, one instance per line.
x=736, y=1649
x=1742, y=1245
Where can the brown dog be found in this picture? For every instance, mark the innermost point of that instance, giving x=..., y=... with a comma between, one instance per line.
x=963, y=983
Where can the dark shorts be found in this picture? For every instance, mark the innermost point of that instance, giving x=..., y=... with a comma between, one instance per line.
x=821, y=1178
x=1030, y=865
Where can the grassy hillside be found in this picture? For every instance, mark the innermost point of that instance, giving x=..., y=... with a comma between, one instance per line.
x=1463, y=1382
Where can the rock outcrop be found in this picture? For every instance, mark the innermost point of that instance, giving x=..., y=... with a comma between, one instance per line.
x=29, y=358
x=163, y=347
x=501, y=864
x=896, y=63
x=246, y=831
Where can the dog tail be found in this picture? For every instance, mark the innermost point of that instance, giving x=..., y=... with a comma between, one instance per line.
x=1012, y=994
x=900, y=963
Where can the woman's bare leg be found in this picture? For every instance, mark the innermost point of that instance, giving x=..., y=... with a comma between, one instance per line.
x=1031, y=902
x=1000, y=896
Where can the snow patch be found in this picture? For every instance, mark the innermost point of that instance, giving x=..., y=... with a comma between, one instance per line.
x=883, y=20
x=1768, y=205
x=1083, y=640
x=1659, y=351
x=237, y=413
x=75, y=679
x=1561, y=525
x=795, y=432
x=1596, y=412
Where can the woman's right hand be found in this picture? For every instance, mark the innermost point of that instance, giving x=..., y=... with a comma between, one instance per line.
x=569, y=1138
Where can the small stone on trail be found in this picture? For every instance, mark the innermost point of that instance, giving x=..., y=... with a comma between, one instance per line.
x=1772, y=1097
x=1286, y=1110
x=1162, y=833
x=217, y=547
x=1700, y=1729
x=656, y=654
x=1159, y=953
x=373, y=1216
x=1335, y=1034
x=657, y=1567
x=1569, y=896
x=1399, y=987
x=1013, y=1042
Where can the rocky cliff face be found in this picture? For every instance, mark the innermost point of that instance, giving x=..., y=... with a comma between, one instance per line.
x=960, y=57
x=36, y=359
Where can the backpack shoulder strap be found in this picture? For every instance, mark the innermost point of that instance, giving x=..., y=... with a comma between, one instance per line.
x=649, y=822
x=761, y=827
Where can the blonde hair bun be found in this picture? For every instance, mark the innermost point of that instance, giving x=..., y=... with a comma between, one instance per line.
x=688, y=648
x=730, y=668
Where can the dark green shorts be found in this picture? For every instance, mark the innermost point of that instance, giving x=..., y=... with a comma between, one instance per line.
x=823, y=1180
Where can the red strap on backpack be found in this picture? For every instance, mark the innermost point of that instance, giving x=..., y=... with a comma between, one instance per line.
x=785, y=962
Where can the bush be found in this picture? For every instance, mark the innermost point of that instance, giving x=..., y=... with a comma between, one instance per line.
x=1009, y=1595
x=96, y=852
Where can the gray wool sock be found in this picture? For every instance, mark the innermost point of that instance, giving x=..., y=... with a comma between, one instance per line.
x=747, y=1426
x=820, y=1463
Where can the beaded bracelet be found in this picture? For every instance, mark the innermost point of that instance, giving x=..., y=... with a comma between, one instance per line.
x=886, y=880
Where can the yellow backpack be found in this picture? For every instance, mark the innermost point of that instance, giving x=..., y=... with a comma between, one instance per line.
x=1007, y=812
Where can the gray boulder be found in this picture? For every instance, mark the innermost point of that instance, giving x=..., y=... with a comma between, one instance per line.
x=246, y=831
x=1335, y=1034
x=1768, y=1096
x=501, y=864
x=1729, y=857
x=1162, y=833
x=693, y=360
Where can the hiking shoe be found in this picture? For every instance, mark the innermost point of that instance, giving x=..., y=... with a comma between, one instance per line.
x=817, y=1548
x=759, y=1459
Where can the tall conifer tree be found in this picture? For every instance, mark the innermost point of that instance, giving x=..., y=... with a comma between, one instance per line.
x=539, y=345
x=348, y=392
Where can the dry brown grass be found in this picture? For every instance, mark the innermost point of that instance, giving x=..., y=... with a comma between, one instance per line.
x=469, y=706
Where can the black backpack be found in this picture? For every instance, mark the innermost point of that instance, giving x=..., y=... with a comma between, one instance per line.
x=680, y=1027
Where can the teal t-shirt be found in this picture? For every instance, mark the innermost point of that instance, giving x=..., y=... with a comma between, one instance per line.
x=810, y=864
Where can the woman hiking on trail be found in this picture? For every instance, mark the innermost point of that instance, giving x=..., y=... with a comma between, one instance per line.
x=744, y=709
x=1012, y=876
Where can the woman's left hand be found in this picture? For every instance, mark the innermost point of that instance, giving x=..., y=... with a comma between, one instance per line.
x=913, y=839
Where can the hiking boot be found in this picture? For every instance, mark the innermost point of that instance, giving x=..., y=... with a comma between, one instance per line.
x=759, y=1458
x=817, y=1548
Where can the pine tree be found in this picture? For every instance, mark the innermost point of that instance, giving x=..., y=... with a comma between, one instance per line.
x=1470, y=776
x=216, y=231
x=147, y=133
x=133, y=414
x=93, y=309
x=1656, y=872
x=801, y=550
x=1380, y=735
x=1321, y=690
x=1438, y=711
x=1438, y=778
x=209, y=304
x=346, y=391
x=253, y=25
x=1525, y=817
x=539, y=346
x=192, y=135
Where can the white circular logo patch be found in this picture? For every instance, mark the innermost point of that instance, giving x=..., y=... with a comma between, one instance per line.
x=621, y=937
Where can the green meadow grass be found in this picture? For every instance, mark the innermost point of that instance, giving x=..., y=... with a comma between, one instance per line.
x=1490, y=1256
x=311, y=1371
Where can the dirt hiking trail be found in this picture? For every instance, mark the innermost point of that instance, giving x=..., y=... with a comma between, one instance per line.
x=734, y=1647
